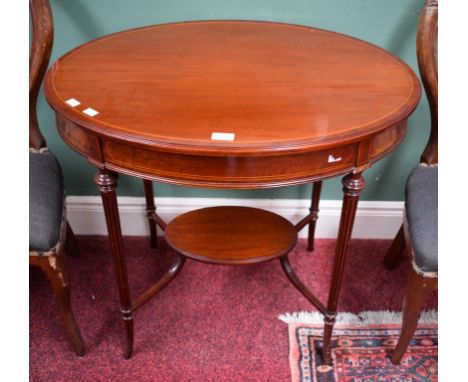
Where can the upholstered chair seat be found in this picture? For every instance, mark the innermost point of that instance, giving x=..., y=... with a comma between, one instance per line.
x=45, y=201
x=421, y=215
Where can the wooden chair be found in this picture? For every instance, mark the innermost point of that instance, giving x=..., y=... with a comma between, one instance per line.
x=418, y=234
x=49, y=231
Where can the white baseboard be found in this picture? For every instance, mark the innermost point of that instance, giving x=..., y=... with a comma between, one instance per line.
x=374, y=220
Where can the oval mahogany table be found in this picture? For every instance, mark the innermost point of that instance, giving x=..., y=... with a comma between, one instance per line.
x=232, y=105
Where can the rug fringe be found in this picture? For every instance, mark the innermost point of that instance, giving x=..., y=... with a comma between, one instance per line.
x=361, y=319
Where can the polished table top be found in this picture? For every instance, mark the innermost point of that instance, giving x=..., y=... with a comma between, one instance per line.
x=268, y=86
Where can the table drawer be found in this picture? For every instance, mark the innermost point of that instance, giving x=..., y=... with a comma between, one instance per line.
x=229, y=171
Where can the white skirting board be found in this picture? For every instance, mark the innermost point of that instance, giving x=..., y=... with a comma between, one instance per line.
x=374, y=220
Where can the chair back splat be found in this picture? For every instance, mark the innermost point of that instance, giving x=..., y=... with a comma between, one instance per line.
x=43, y=35
x=427, y=61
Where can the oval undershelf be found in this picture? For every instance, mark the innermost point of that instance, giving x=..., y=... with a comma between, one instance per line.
x=231, y=235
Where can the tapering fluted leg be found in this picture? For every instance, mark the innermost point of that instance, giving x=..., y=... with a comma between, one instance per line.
x=314, y=210
x=150, y=210
x=353, y=184
x=396, y=251
x=106, y=182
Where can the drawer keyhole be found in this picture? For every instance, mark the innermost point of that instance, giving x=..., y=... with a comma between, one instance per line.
x=332, y=159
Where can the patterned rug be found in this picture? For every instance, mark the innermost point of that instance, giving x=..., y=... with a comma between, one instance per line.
x=362, y=353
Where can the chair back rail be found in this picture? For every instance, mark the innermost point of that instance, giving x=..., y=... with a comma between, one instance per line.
x=43, y=34
x=427, y=61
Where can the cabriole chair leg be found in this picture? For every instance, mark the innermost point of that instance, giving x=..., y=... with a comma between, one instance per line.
x=55, y=270
x=418, y=290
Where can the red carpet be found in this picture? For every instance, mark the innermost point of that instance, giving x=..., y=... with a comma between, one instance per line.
x=212, y=323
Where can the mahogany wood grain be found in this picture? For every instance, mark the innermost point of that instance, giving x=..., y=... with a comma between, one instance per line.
x=276, y=86
x=231, y=235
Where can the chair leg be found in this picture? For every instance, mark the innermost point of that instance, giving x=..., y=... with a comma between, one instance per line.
x=418, y=290
x=395, y=254
x=150, y=209
x=55, y=269
x=72, y=247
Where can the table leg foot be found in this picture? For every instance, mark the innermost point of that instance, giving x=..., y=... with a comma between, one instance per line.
x=127, y=317
x=327, y=334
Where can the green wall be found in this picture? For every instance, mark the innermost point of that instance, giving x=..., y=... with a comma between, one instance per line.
x=390, y=24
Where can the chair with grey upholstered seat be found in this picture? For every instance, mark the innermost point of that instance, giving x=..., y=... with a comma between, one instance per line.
x=418, y=234
x=49, y=231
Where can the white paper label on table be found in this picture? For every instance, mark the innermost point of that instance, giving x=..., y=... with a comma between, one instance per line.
x=91, y=112
x=73, y=102
x=222, y=136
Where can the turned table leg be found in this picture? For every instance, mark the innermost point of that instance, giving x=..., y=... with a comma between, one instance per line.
x=150, y=210
x=106, y=182
x=353, y=184
x=314, y=210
